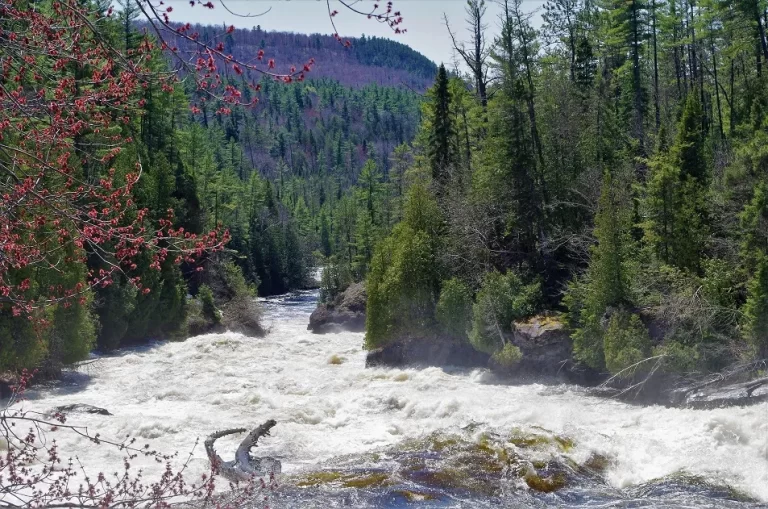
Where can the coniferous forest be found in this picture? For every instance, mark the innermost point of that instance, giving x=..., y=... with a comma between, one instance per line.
x=606, y=167
x=453, y=284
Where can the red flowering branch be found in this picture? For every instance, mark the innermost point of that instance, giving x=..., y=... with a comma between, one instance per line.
x=66, y=98
x=392, y=18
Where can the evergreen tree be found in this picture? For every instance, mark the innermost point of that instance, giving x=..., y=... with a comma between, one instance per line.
x=441, y=147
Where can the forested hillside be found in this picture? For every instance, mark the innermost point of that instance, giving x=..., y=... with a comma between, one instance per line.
x=230, y=202
x=300, y=152
x=365, y=61
x=610, y=169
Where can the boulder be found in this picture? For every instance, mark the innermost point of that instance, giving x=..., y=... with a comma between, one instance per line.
x=426, y=351
x=386, y=356
x=443, y=353
x=547, y=350
x=545, y=344
x=346, y=312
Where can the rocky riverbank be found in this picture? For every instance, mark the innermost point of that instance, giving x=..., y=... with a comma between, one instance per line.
x=547, y=357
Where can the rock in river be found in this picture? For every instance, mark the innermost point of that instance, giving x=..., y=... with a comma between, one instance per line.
x=345, y=312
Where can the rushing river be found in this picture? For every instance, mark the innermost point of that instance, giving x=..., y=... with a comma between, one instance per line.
x=337, y=417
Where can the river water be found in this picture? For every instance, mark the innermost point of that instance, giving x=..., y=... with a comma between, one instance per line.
x=336, y=415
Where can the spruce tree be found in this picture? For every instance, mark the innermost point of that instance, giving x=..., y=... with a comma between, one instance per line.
x=441, y=135
x=607, y=281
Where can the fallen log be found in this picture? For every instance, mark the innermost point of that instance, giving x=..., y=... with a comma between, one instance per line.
x=244, y=467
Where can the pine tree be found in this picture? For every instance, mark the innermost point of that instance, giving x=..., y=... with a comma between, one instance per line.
x=441, y=147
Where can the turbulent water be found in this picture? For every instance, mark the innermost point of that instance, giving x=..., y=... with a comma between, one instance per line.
x=337, y=413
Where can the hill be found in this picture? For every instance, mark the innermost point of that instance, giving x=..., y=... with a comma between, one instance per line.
x=369, y=60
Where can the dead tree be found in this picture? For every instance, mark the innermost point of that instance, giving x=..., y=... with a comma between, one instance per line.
x=476, y=56
x=244, y=467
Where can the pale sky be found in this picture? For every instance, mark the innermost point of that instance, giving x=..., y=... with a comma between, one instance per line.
x=423, y=19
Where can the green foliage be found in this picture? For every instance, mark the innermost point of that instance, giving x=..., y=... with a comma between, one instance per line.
x=508, y=357
x=422, y=212
x=501, y=300
x=754, y=225
x=404, y=279
x=756, y=309
x=454, y=309
x=209, y=310
x=441, y=146
x=678, y=357
x=241, y=312
x=676, y=197
x=20, y=345
x=336, y=277
x=625, y=341
x=73, y=334
x=401, y=287
x=607, y=282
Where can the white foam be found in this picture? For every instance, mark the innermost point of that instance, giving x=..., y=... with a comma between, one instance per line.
x=172, y=393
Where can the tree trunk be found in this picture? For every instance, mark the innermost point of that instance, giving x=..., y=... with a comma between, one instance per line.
x=637, y=128
x=244, y=467
x=656, y=67
x=717, y=89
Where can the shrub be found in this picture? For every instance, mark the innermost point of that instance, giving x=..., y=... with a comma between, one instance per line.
x=209, y=310
x=404, y=275
x=502, y=299
x=20, y=345
x=196, y=323
x=243, y=314
x=508, y=356
x=73, y=334
x=454, y=309
x=336, y=277
x=625, y=341
x=678, y=358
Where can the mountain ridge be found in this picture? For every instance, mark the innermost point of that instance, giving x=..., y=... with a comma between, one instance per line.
x=368, y=60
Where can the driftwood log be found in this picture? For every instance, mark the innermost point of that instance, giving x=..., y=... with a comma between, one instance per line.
x=244, y=467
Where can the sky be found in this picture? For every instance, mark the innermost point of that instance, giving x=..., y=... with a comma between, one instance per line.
x=423, y=19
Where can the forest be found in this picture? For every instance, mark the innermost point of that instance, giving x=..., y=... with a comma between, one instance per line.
x=607, y=168
x=272, y=188
x=572, y=211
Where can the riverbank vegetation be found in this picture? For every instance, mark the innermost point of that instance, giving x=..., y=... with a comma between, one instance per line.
x=610, y=167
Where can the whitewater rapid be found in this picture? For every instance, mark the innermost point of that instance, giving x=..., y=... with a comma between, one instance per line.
x=169, y=394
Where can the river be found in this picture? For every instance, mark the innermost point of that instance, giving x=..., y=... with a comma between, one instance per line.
x=339, y=414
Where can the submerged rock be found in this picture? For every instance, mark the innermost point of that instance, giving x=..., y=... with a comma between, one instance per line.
x=81, y=408
x=346, y=312
x=528, y=470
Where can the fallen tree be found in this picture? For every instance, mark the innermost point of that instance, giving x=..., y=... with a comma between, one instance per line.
x=244, y=467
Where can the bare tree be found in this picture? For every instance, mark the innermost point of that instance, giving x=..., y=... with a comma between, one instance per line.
x=476, y=56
